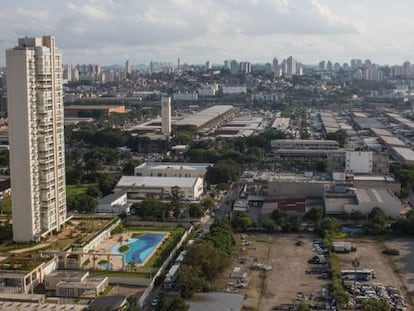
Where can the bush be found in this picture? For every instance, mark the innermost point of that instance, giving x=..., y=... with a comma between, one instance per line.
x=124, y=248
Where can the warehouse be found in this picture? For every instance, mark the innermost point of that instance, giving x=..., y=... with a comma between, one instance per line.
x=172, y=169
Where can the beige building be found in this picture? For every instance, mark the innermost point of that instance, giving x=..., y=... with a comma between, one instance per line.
x=37, y=155
x=172, y=169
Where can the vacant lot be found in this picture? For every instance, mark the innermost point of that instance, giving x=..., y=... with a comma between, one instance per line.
x=267, y=289
x=288, y=277
x=369, y=253
x=404, y=263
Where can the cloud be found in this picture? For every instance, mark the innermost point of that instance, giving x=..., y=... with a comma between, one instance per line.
x=208, y=29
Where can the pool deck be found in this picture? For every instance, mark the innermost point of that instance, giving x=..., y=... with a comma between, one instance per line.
x=106, y=246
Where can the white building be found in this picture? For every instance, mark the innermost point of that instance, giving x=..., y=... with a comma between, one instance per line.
x=116, y=203
x=166, y=115
x=171, y=169
x=37, y=152
x=359, y=162
x=185, y=96
x=139, y=187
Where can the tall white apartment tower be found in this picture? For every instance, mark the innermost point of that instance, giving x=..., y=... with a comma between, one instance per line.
x=37, y=155
x=166, y=115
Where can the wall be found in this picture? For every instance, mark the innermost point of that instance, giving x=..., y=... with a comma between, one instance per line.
x=149, y=289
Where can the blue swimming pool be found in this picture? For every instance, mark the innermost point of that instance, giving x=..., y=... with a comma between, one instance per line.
x=141, y=247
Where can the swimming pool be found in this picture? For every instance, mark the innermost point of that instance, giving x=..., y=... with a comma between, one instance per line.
x=140, y=248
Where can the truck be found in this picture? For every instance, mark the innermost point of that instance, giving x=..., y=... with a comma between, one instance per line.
x=343, y=247
x=171, y=277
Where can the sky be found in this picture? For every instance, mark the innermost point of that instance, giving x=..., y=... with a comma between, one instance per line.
x=111, y=31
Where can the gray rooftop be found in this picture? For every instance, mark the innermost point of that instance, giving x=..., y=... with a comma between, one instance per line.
x=406, y=153
x=145, y=181
x=201, y=118
x=174, y=166
x=376, y=196
x=111, y=197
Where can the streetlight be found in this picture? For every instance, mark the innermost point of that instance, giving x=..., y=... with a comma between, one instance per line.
x=355, y=264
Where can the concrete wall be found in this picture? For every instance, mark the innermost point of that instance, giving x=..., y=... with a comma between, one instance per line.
x=149, y=289
x=296, y=189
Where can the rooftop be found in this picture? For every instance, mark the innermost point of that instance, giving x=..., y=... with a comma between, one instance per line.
x=377, y=195
x=406, y=153
x=167, y=182
x=201, y=118
x=174, y=166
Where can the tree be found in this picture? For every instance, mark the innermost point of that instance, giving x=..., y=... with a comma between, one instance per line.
x=241, y=221
x=357, y=215
x=279, y=217
x=129, y=167
x=340, y=136
x=106, y=183
x=328, y=226
x=223, y=172
x=173, y=304
x=315, y=214
x=149, y=209
x=303, y=306
x=375, y=305
x=195, y=211
x=378, y=219
x=176, y=201
x=321, y=166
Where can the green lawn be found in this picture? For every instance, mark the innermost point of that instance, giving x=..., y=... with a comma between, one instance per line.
x=72, y=190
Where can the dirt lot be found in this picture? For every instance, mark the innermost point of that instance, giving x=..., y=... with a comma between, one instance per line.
x=369, y=253
x=287, y=278
x=404, y=263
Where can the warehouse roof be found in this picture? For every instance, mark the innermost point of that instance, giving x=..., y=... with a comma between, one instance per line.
x=406, y=153
x=379, y=195
x=201, y=118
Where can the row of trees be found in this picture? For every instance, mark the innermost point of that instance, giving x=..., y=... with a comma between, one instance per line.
x=154, y=209
x=206, y=259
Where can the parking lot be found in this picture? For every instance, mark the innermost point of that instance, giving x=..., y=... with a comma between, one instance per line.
x=286, y=282
x=386, y=284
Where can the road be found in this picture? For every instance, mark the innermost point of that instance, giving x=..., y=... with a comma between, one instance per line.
x=224, y=210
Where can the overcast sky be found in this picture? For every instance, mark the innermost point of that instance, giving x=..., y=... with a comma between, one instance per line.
x=112, y=31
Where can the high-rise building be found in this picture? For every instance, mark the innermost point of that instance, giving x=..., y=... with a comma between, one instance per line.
x=166, y=115
x=37, y=150
x=128, y=67
x=291, y=66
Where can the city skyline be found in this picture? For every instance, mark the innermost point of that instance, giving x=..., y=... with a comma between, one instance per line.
x=110, y=32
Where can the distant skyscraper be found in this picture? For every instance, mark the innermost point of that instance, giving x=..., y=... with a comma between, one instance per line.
x=166, y=115
x=128, y=68
x=37, y=149
x=208, y=65
x=291, y=66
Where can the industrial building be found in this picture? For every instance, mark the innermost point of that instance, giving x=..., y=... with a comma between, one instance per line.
x=37, y=149
x=363, y=200
x=208, y=118
x=329, y=123
x=140, y=187
x=240, y=127
x=403, y=155
x=302, y=144
x=281, y=124
x=172, y=169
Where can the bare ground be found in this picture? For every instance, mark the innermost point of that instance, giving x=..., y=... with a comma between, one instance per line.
x=404, y=263
x=369, y=253
x=287, y=278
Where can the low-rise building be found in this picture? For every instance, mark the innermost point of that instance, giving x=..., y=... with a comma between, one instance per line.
x=116, y=203
x=172, y=169
x=403, y=155
x=140, y=187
